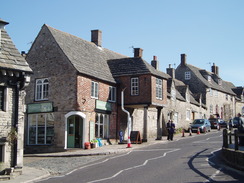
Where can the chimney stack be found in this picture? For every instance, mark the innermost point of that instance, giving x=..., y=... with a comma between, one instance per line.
x=171, y=71
x=96, y=37
x=154, y=62
x=183, y=59
x=138, y=52
x=215, y=69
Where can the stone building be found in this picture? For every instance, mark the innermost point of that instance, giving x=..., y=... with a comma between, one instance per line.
x=14, y=76
x=182, y=106
x=71, y=98
x=216, y=93
x=74, y=94
x=239, y=91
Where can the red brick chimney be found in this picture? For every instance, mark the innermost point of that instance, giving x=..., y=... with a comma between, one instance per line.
x=96, y=37
x=138, y=52
x=154, y=62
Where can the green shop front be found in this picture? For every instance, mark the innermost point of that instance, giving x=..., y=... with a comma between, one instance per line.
x=40, y=125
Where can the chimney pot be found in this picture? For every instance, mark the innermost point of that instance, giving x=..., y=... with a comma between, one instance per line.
x=154, y=62
x=138, y=52
x=215, y=69
x=96, y=37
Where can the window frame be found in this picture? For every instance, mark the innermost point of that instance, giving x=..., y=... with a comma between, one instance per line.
x=112, y=94
x=42, y=89
x=134, y=84
x=37, y=127
x=187, y=75
x=159, y=88
x=94, y=89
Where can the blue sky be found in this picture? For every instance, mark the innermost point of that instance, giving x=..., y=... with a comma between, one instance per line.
x=207, y=31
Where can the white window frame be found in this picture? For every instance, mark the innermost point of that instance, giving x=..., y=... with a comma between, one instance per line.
x=188, y=114
x=159, y=89
x=42, y=89
x=134, y=86
x=37, y=128
x=187, y=75
x=112, y=94
x=94, y=89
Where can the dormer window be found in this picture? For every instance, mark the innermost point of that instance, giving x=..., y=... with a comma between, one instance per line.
x=209, y=78
x=187, y=75
x=220, y=82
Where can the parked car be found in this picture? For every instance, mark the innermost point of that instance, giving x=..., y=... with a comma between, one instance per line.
x=223, y=124
x=214, y=123
x=233, y=123
x=203, y=125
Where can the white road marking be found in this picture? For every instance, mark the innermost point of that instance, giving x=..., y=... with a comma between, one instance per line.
x=134, y=167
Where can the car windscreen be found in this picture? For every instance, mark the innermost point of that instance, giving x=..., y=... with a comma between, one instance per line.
x=198, y=122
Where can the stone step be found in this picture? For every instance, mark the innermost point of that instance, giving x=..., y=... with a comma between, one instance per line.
x=4, y=177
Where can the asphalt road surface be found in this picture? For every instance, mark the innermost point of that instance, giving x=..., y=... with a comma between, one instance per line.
x=188, y=160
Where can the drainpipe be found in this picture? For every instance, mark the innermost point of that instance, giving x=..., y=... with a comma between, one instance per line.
x=16, y=121
x=128, y=118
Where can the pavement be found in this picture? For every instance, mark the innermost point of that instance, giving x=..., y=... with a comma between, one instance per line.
x=31, y=174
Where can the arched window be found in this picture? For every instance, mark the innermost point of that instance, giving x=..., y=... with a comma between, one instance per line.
x=42, y=88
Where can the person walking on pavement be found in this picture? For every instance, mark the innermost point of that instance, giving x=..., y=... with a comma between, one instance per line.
x=241, y=128
x=171, y=130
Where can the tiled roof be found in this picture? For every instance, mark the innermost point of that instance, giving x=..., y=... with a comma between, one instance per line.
x=86, y=57
x=10, y=58
x=133, y=66
x=225, y=87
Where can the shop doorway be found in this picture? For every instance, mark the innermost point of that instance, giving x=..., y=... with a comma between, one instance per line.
x=75, y=131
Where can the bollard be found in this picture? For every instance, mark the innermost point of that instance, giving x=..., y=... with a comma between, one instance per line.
x=183, y=133
x=190, y=132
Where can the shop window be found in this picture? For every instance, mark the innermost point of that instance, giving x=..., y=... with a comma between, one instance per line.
x=41, y=128
x=102, y=126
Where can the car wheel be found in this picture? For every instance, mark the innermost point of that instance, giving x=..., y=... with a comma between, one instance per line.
x=204, y=130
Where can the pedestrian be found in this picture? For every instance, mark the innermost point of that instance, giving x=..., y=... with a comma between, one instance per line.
x=240, y=128
x=171, y=130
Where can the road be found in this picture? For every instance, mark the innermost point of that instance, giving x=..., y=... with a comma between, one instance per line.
x=188, y=160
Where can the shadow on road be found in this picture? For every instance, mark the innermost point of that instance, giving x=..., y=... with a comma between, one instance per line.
x=216, y=162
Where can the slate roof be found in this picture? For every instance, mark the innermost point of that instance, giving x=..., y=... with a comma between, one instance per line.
x=133, y=66
x=225, y=87
x=239, y=91
x=10, y=58
x=86, y=57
